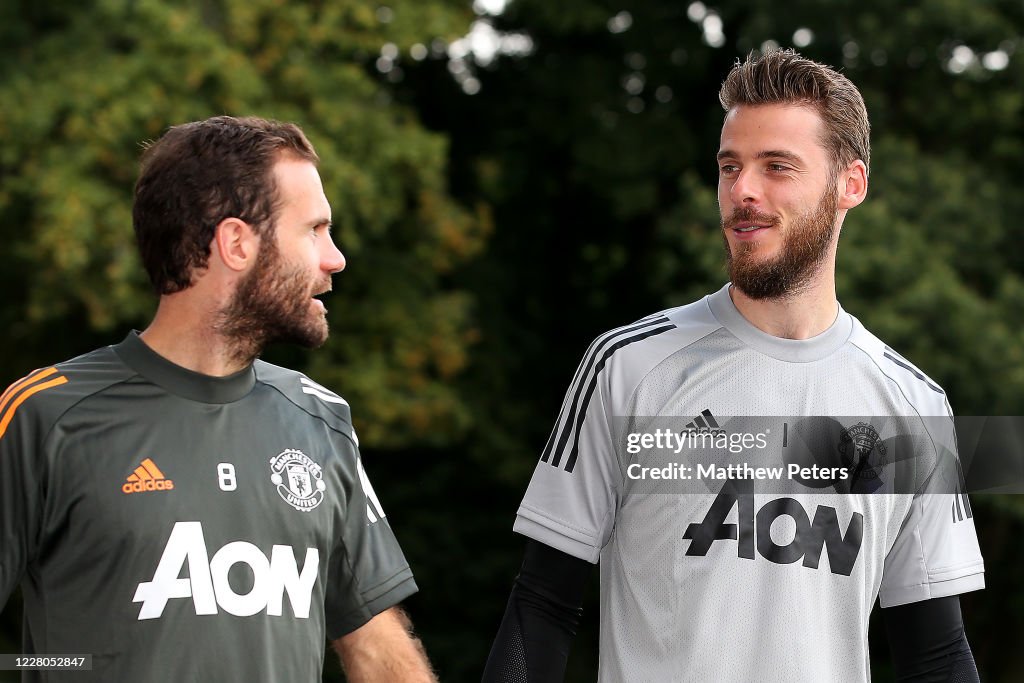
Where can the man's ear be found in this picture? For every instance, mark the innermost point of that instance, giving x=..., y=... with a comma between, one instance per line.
x=853, y=185
x=235, y=244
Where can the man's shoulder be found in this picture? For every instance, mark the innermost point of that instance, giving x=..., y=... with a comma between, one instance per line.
x=48, y=392
x=924, y=393
x=305, y=394
x=644, y=343
x=619, y=360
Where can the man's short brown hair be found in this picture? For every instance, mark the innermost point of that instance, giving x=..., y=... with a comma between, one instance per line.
x=197, y=175
x=785, y=77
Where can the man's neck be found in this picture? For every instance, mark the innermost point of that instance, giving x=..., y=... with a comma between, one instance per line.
x=186, y=336
x=803, y=315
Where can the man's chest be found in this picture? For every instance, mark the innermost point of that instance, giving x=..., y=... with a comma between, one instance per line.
x=231, y=508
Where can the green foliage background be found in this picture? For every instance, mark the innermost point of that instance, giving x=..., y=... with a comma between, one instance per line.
x=491, y=236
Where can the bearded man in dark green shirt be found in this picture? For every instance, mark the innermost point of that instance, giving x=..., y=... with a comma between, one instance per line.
x=177, y=508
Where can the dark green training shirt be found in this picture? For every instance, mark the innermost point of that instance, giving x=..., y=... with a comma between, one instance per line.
x=182, y=527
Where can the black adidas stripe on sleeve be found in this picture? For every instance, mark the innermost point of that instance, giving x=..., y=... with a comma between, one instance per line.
x=595, y=361
x=900, y=361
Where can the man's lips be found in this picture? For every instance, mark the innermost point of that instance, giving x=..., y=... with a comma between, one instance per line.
x=747, y=230
x=316, y=299
x=749, y=227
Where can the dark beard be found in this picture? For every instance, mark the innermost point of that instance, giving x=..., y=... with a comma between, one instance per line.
x=804, y=248
x=271, y=304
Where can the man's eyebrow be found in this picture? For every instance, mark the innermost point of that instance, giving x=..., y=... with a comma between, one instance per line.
x=778, y=154
x=766, y=154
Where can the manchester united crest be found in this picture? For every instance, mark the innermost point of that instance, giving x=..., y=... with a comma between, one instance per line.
x=857, y=444
x=299, y=480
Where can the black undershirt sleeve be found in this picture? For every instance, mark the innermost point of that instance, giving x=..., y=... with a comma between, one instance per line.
x=541, y=618
x=928, y=642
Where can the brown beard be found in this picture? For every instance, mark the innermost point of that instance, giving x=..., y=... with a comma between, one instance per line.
x=271, y=304
x=805, y=245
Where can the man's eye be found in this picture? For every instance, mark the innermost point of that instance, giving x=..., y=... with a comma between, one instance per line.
x=727, y=169
x=777, y=167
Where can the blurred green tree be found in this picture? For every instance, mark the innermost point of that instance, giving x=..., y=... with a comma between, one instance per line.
x=82, y=85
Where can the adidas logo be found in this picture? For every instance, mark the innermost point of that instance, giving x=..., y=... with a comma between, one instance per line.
x=705, y=422
x=147, y=477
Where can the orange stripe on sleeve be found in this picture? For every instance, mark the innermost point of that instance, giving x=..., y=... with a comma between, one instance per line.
x=9, y=415
x=27, y=379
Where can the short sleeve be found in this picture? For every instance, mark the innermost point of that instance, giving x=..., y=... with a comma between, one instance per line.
x=572, y=497
x=368, y=572
x=21, y=501
x=936, y=553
